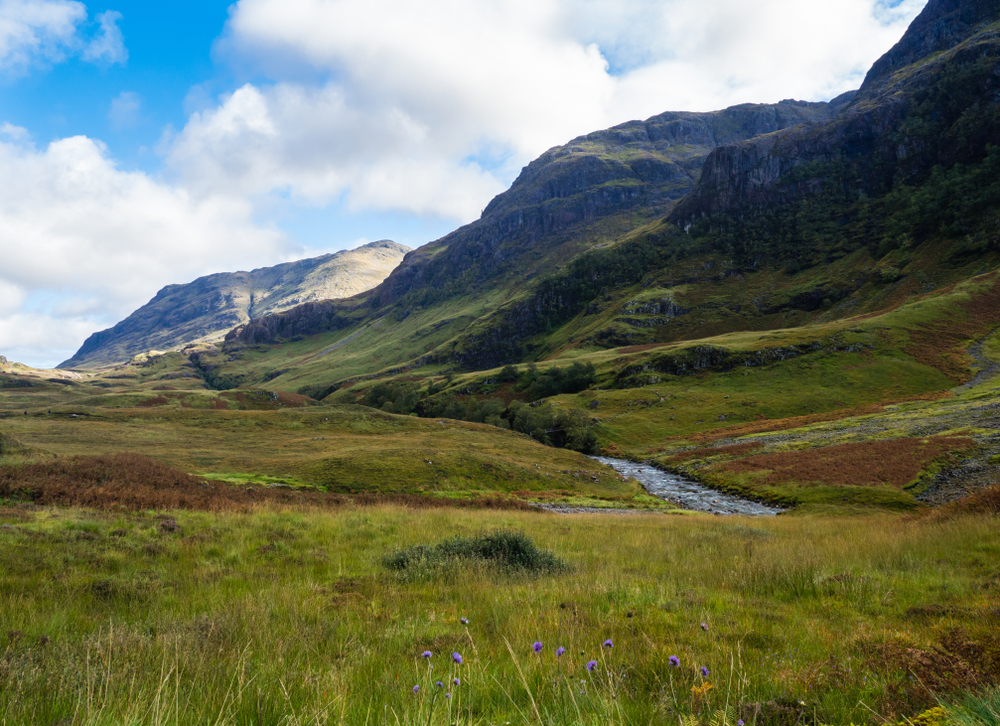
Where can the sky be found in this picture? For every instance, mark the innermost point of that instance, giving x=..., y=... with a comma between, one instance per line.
x=148, y=143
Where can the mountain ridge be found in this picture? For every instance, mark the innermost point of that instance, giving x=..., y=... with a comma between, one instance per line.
x=206, y=308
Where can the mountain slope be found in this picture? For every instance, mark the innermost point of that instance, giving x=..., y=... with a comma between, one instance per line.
x=574, y=198
x=207, y=308
x=931, y=100
x=801, y=213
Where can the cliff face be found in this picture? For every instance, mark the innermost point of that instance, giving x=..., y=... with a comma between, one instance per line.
x=608, y=181
x=207, y=308
x=915, y=109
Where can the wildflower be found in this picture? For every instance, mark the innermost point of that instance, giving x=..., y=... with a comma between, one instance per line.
x=439, y=684
x=592, y=665
x=426, y=654
x=740, y=723
x=560, y=651
x=457, y=682
x=704, y=672
x=447, y=695
x=608, y=643
x=464, y=621
x=704, y=626
x=457, y=658
x=537, y=646
x=675, y=662
x=416, y=689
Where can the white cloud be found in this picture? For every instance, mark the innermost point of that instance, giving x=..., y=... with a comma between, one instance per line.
x=432, y=107
x=125, y=110
x=37, y=30
x=108, y=46
x=48, y=31
x=100, y=242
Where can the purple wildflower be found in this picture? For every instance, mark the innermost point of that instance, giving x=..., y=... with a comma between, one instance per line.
x=704, y=672
x=426, y=654
x=704, y=626
x=439, y=684
x=457, y=682
x=740, y=723
x=447, y=695
x=457, y=658
x=608, y=643
x=537, y=646
x=592, y=665
x=559, y=651
x=675, y=662
x=416, y=689
x=464, y=621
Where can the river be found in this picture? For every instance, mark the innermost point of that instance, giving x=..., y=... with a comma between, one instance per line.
x=685, y=493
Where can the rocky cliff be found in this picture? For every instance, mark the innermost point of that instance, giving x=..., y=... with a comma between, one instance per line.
x=207, y=308
x=930, y=100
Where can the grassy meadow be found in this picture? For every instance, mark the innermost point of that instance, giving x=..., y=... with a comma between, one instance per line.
x=231, y=567
x=288, y=616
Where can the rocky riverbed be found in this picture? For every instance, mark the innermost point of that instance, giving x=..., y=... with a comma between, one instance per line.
x=685, y=493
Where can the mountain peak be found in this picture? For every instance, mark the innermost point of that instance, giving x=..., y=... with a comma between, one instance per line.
x=203, y=310
x=941, y=25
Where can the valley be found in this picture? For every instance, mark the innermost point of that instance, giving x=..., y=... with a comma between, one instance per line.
x=266, y=498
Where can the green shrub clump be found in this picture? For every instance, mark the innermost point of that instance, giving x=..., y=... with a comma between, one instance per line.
x=507, y=551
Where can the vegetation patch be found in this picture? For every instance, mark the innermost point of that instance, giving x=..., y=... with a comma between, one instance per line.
x=133, y=482
x=503, y=550
x=895, y=462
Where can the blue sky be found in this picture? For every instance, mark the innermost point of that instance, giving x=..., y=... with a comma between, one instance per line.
x=143, y=144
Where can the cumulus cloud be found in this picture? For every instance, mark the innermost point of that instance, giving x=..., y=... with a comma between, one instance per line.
x=92, y=242
x=49, y=31
x=432, y=107
x=33, y=30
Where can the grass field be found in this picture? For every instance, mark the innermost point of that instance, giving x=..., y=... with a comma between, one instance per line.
x=287, y=616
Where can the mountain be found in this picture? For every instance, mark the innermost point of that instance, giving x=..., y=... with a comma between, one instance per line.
x=573, y=198
x=204, y=310
x=930, y=101
x=684, y=226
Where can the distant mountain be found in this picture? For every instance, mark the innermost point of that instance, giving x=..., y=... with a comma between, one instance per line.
x=204, y=310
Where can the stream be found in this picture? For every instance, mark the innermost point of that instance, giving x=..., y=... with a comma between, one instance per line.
x=685, y=493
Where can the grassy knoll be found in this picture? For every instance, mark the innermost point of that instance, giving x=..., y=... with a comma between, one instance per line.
x=289, y=616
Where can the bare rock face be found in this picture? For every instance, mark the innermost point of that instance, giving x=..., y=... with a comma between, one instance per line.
x=204, y=310
x=870, y=128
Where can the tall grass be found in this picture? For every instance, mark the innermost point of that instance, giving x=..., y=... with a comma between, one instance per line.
x=291, y=618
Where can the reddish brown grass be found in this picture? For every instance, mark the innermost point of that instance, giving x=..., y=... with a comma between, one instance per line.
x=958, y=661
x=874, y=463
x=985, y=501
x=939, y=344
x=136, y=482
x=734, y=450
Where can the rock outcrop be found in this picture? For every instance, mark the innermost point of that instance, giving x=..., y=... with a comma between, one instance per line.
x=204, y=310
x=948, y=37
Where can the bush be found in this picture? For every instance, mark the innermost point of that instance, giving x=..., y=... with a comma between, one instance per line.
x=503, y=550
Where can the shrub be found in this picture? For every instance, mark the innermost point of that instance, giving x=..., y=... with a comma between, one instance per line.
x=507, y=551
